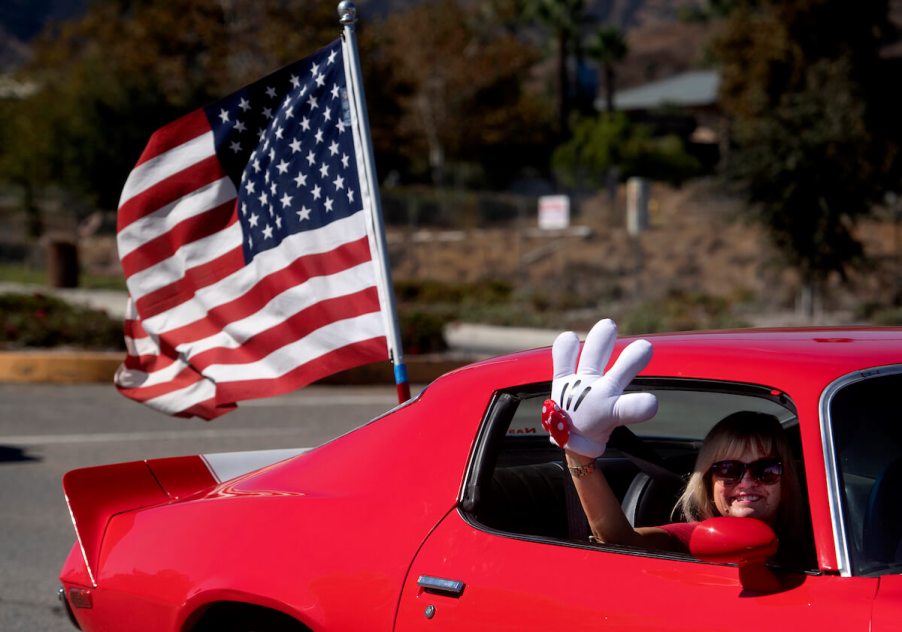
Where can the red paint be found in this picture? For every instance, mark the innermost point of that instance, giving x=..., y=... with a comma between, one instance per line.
x=338, y=536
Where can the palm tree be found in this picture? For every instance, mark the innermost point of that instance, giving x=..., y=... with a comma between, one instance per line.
x=563, y=17
x=608, y=47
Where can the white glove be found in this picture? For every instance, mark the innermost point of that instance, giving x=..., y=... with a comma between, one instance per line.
x=587, y=405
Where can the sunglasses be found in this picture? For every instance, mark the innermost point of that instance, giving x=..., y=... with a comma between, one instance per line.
x=766, y=471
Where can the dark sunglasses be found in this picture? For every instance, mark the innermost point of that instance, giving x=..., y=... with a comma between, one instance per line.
x=766, y=471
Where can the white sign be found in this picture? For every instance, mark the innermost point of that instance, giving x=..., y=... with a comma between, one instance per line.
x=554, y=212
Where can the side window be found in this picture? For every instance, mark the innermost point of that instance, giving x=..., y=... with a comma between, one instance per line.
x=867, y=440
x=524, y=489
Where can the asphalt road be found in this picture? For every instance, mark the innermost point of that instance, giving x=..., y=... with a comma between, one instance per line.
x=46, y=430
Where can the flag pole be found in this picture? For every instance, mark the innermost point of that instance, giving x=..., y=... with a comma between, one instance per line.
x=347, y=14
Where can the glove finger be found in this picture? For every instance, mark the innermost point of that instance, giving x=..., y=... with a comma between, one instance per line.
x=633, y=408
x=598, y=347
x=563, y=354
x=634, y=357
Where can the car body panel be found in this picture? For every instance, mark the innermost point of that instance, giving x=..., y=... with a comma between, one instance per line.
x=888, y=604
x=321, y=514
x=520, y=585
x=333, y=536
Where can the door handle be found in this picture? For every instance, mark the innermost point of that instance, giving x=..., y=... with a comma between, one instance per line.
x=449, y=587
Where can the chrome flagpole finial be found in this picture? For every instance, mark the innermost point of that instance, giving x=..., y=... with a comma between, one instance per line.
x=347, y=13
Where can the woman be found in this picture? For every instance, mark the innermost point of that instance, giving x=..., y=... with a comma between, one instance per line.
x=744, y=468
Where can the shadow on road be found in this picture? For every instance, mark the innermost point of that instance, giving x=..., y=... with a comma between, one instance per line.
x=12, y=454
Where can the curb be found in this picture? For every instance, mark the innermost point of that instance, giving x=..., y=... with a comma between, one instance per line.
x=82, y=367
x=59, y=367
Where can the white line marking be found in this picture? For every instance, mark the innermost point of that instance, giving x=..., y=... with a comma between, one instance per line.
x=321, y=400
x=104, y=437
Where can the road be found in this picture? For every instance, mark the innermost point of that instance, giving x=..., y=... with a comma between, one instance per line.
x=46, y=430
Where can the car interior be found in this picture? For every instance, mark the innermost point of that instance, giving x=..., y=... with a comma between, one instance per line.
x=518, y=484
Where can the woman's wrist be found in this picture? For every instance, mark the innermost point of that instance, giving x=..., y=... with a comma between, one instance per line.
x=578, y=465
x=577, y=460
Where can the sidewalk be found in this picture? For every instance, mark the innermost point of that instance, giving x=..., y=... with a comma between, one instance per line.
x=110, y=301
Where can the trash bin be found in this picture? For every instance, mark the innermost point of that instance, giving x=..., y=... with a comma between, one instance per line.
x=62, y=263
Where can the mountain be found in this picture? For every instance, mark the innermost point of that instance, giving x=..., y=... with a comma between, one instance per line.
x=22, y=20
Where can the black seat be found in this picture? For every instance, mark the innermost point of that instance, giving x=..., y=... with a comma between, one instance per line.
x=537, y=499
x=883, y=518
x=649, y=501
x=528, y=499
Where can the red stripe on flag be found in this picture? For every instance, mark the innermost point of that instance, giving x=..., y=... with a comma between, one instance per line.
x=134, y=328
x=207, y=410
x=168, y=190
x=292, y=329
x=148, y=363
x=190, y=230
x=174, y=134
x=184, y=289
x=183, y=379
x=341, y=359
x=300, y=271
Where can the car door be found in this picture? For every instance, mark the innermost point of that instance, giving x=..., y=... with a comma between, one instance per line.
x=496, y=563
x=888, y=604
x=468, y=578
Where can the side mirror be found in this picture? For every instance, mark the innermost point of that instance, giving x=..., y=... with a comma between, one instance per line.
x=746, y=542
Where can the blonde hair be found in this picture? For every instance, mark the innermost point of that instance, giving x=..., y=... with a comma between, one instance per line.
x=731, y=437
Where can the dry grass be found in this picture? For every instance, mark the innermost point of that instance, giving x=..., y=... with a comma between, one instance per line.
x=695, y=246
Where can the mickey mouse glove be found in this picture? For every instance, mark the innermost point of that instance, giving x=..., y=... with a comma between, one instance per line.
x=587, y=404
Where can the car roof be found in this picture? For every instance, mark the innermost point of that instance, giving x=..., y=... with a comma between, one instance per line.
x=763, y=356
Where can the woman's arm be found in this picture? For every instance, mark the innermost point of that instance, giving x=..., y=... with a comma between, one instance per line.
x=606, y=518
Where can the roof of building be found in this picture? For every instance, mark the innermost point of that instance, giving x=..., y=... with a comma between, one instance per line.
x=689, y=89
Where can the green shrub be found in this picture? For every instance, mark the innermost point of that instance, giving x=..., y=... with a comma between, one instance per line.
x=38, y=320
x=887, y=316
x=431, y=292
x=422, y=330
x=679, y=311
x=611, y=141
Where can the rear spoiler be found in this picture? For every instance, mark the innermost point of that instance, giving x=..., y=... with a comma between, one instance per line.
x=96, y=494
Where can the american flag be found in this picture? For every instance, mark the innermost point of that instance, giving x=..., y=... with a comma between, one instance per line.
x=246, y=247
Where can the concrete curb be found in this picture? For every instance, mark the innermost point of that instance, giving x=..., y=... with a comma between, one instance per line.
x=59, y=367
x=78, y=367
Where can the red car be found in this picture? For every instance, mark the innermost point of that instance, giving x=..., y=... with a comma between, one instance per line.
x=453, y=510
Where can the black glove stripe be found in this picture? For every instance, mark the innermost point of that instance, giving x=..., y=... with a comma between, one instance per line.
x=575, y=386
x=582, y=396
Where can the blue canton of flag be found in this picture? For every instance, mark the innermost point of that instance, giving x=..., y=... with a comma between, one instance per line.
x=286, y=143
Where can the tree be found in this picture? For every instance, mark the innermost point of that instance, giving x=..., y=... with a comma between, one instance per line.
x=608, y=47
x=25, y=169
x=610, y=142
x=459, y=81
x=110, y=78
x=563, y=18
x=814, y=130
